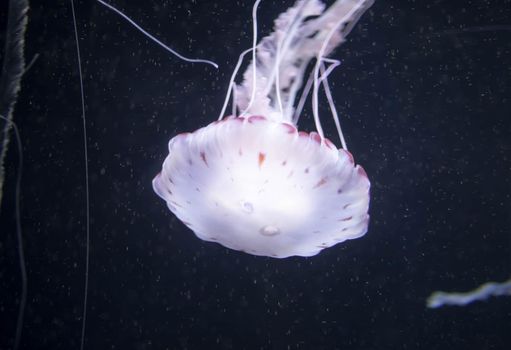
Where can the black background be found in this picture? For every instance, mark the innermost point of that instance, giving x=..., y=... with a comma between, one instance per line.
x=424, y=93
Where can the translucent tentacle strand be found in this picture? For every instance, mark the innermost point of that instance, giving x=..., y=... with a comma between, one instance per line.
x=305, y=31
x=150, y=36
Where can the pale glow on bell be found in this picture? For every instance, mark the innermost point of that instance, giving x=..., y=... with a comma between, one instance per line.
x=252, y=182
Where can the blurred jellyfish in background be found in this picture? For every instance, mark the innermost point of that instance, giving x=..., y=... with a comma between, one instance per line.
x=483, y=292
x=13, y=68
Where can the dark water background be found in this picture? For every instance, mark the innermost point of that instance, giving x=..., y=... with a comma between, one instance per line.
x=424, y=92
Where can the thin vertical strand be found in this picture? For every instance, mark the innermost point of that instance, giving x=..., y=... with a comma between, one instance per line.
x=254, y=55
x=290, y=112
x=303, y=98
x=321, y=54
x=234, y=111
x=231, y=82
x=19, y=236
x=87, y=194
x=315, y=103
x=277, y=82
x=324, y=80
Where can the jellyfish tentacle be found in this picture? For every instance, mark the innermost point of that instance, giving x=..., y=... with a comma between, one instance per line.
x=254, y=56
x=230, y=88
x=293, y=91
x=277, y=85
x=153, y=38
x=349, y=13
x=279, y=53
x=303, y=97
x=305, y=31
x=283, y=46
x=234, y=105
x=326, y=87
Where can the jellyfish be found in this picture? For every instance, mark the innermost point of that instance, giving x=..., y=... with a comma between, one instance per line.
x=483, y=292
x=254, y=182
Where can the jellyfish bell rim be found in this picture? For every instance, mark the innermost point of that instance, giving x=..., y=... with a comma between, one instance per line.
x=185, y=155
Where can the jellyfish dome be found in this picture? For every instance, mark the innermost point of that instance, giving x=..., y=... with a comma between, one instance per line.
x=254, y=183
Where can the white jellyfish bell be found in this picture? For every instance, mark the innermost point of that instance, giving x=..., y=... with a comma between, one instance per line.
x=254, y=183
